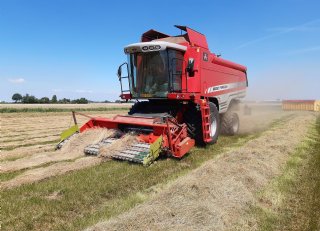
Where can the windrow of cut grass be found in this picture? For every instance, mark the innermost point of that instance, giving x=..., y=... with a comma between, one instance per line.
x=28, y=137
x=10, y=148
x=20, y=152
x=29, y=140
x=292, y=200
x=82, y=198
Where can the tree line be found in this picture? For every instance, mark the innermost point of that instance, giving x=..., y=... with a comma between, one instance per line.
x=30, y=99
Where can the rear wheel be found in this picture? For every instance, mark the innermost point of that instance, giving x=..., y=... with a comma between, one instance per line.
x=230, y=123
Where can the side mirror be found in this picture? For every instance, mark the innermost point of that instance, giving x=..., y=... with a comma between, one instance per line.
x=190, y=67
x=119, y=72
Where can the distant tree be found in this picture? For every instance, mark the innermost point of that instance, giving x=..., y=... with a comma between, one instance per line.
x=80, y=101
x=29, y=99
x=44, y=100
x=83, y=101
x=54, y=99
x=25, y=98
x=64, y=101
x=17, y=97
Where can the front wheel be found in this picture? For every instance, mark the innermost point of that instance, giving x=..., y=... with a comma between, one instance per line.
x=192, y=117
x=214, y=123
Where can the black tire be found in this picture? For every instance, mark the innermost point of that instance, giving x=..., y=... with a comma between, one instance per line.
x=214, y=118
x=230, y=123
x=193, y=120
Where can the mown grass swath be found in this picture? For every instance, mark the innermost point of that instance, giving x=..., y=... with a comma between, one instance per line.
x=86, y=196
x=31, y=144
x=297, y=190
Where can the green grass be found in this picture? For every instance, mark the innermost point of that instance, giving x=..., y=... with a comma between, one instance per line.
x=15, y=110
x=100, y=192
x=292, y=200
x=9, y=175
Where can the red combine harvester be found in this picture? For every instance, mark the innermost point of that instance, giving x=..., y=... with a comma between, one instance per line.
x=187, y=95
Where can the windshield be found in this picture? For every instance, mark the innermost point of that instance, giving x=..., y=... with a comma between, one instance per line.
x=151, y=72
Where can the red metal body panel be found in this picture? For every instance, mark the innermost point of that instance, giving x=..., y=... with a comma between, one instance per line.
x=209, y=70
x=226, y=63
x=192, y=84
x=197, y=39
x=214, y=71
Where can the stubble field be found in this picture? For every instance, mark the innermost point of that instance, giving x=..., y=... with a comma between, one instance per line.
x=229, y=185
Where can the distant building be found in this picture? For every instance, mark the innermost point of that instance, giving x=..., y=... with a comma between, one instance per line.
x=301, y=105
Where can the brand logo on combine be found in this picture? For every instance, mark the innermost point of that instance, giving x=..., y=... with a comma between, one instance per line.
x=225, y=87
x=205, y=56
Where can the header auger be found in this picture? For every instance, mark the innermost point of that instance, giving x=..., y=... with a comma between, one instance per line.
x=188, y=96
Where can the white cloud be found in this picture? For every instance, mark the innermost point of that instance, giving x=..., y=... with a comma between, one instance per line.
x=17, y=81
x=297, y=29
x=304, y=50
x=279, y=32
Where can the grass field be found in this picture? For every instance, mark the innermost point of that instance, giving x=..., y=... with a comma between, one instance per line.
x=68, y=191
x=291, y=201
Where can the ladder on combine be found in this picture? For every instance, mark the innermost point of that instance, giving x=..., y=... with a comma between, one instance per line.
x=122, y=85
x=205, y=114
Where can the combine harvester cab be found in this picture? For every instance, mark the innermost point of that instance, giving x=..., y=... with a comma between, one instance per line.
x=185, y=95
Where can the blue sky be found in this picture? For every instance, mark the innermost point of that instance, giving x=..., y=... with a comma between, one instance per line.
x=73, y=48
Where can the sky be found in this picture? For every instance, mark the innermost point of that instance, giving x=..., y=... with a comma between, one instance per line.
x=73, y=48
